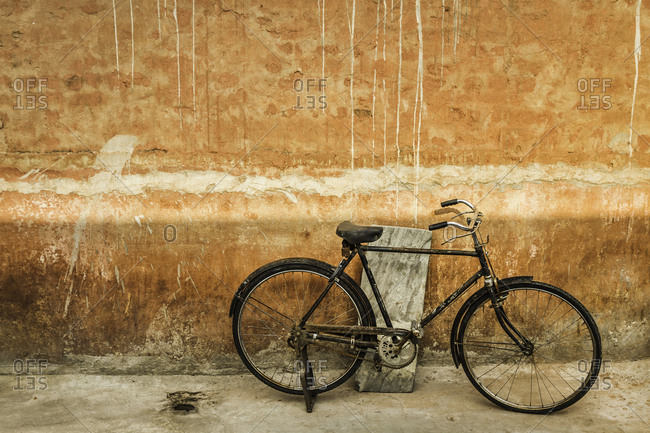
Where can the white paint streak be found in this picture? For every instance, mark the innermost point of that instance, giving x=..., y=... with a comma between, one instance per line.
x=383, y=81
x=29, y=173
x=399, y=93
x=76, y=238
x=193, y=67
x=419, y=96
x=192, y=281
x=178, y=66
x=159, y=28
x=128, y=301
x=322, y=43
x=442, y=37
x=117, y=56
x=132, y=47
x=457, y=19
x=374, y=81
x=351, y=27
x=361, y=181
x=637, y=57
x=67, y=300
x=117, y=276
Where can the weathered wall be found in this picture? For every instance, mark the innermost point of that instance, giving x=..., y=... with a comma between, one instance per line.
x=197, y=115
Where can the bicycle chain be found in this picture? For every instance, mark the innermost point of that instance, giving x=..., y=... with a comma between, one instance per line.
x=363, y=357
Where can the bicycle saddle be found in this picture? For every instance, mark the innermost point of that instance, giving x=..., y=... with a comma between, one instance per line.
x=355, y=234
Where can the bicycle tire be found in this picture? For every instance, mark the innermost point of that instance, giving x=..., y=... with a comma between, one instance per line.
x=273, y=299
x=564, y=362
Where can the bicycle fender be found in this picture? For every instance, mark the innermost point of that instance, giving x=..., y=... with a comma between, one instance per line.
x=455, y=338
x=454, y=329
x=237, y=297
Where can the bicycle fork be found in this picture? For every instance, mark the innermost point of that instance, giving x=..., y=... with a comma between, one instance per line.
x=508, y=327
x=491, y=283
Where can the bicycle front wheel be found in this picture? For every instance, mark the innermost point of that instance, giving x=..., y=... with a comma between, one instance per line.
x=557, y=369
x=273, y=303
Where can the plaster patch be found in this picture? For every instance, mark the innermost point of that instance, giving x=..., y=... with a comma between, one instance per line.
x=359, y=181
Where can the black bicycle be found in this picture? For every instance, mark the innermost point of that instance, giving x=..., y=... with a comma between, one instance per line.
x=304, y=327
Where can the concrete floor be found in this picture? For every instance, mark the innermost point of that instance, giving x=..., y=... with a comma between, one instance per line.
x=443, y=401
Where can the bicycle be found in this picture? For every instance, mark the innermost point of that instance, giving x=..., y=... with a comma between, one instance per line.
x=302, y=326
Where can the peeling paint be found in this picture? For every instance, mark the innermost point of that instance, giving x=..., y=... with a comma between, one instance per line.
x=113, y=157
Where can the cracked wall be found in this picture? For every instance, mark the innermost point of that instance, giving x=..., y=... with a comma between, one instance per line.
x=250, y=132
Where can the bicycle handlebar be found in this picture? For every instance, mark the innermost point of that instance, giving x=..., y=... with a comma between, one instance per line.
x=438, y=226
x=449, y=202
x=442, y=225
x=456, y=201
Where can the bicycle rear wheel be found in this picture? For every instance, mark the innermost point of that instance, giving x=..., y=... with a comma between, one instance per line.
x=566, y=350
x=273, y=303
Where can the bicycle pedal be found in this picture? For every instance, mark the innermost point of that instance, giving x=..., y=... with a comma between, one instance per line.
x=377, y=362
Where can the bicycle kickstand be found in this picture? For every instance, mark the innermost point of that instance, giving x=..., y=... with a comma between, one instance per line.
x=306, y=378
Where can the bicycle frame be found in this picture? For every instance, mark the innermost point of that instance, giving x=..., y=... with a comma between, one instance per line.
x=478, y=252
x=485, y=271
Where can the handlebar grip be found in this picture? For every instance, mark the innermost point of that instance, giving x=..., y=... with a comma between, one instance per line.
x=438, y=226
x=449, y=202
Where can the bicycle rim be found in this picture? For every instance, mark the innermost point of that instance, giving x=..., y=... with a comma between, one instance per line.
x=563, y=364
x=269, y=312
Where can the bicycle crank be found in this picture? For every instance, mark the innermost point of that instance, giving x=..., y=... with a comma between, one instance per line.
x=394, y=352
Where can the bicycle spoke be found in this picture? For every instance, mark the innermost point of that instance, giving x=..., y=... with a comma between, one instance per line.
x=514, y=376
x=538, y=318
x=557, y=336
x=305, y=290
x=499, y=376
x=498, y=365
x=544, y=376
x=489, y=345
x=264, y=312
x=552, y=366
